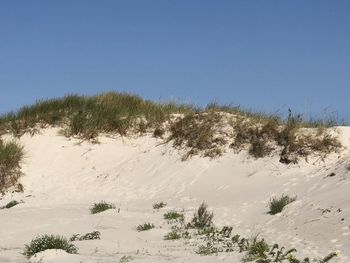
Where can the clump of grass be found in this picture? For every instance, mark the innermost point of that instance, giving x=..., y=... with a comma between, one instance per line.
x=263, y=137
x=159, y=205
x=45, y=242
x=100, y=207
x=145, y=227
x=10, y=204
x=277, y=204
x=202, y=218
x=86, y=117
x=198, y=133
x=173, y=235
x=11, y=155
x=88, y=236
x=173, y=215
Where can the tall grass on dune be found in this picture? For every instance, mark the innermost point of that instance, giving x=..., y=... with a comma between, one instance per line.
x=11, y=155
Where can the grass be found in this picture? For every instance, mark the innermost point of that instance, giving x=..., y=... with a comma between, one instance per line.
x=277, y=204
x=100, y=207
x=159, y=205
x=173, y=215
x=11, y=155
x=145, y=227
x=45, y=242
x=173, y=235
x=10, y=204
x=202, y=218
x=88, y=236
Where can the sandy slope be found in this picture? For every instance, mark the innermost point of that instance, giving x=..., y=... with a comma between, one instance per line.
x=64, y=177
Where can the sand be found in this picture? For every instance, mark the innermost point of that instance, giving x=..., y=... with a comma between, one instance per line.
x=64, y=177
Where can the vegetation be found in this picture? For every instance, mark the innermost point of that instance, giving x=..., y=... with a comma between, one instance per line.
x=88, y=236
x=159, y=205
x=202, y=218
x=10, y=204
x=173, y=235
x=45, y=242
x=277, y=204
x=11, y=155
x=145, y=227
x=173, y=215
x=100, y=207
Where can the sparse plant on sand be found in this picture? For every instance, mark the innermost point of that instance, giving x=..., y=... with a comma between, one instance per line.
x=144, y=227
x=11, y=155
x=159, y=205
x=202, y=218
x=100, y=207
x=173, y=235
x=45, y=242
x=277, y=204
x=88, y=236
x=10, y=204
x=173, y=215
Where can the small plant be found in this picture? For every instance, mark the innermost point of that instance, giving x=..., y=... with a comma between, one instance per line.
x=89, y=236
x=145, y=227
x=172, y=235
x=125, y=259
x=202, y=218
x=159, y=205
x=10, y=204
x=173, y=215
x=277, y=204
x=45, y=242
x=100, y=207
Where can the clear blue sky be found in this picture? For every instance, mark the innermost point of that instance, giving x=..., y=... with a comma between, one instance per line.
x=265, y=55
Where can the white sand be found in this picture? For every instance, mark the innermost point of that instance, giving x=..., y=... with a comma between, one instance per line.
x=63, y=178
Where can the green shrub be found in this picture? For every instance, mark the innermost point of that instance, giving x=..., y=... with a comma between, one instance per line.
x=45, y=242
x=100, y=207
x=202, y=218
x=159, y=205
x=173, y=215
x=277, y=204
x=172, y=235
x=10, y=204
x=11, y=155
x=145, y=227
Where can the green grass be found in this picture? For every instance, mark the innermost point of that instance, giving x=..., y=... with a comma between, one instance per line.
x=202, y=218
x=159, y=205
x=173, y=235
x=145, y=227
x=11, y=155
x=45, y=242
x=173, y=215
x=277, y=204
x=100, y=207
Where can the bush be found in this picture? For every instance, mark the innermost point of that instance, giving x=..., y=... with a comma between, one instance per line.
x=202, y=218
x=277, y=204
x=100, y=207
x=11, y=155
x=173, y=215
x=45, y=242
x=88, y=236
x=10, y=204
x=145, y=227
x=159, y=205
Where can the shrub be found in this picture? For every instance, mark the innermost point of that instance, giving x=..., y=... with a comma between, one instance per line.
x=145, y=227
x=173, y=215
x=100, y=207
x=10, y=204
x=172, y=235
x=202, y=218
x=88, y=236
x=45, y=242
x=277, y=204
x=11, y=155
x=159, y=205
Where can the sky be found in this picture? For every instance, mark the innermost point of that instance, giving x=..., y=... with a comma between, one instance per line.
x=263, y=55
